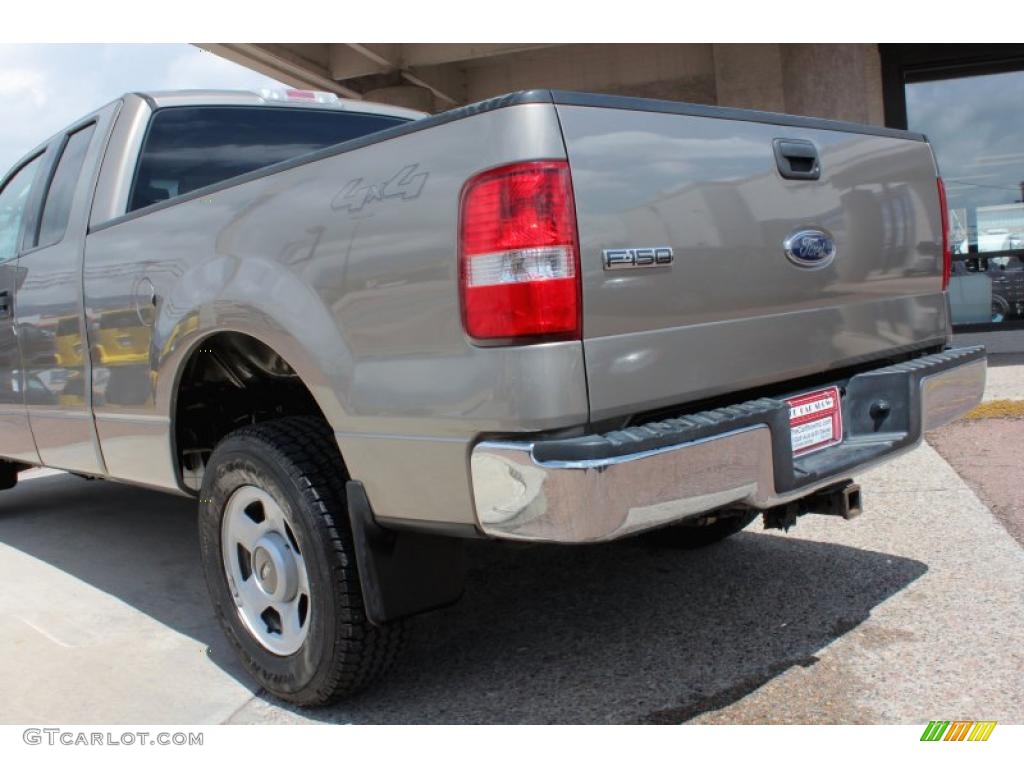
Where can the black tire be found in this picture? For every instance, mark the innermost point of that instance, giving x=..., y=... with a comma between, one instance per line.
x=709, y=529
x=297, y=462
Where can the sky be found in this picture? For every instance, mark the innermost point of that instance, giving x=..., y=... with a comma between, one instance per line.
x=43, y=88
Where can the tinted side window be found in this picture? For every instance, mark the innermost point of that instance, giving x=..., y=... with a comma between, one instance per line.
x=191, y=147
x=13, y=200
x=57, y=208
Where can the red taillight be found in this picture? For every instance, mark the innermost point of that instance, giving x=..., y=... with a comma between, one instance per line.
x=947, y=252
x=518, y=255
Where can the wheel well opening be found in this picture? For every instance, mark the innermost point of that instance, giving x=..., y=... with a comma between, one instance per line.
x=230, y=381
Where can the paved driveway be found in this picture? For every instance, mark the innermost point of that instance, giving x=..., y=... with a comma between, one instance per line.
x=909, y=613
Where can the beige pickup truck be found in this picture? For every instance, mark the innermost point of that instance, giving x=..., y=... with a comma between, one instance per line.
x=359, y=335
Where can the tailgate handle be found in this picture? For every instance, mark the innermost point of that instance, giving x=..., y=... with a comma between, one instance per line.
x=797, y=159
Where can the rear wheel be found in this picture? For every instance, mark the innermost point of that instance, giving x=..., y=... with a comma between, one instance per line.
x=704, y=530
x=280, y=567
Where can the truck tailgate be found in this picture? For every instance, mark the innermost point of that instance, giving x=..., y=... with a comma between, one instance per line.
x=733, y=310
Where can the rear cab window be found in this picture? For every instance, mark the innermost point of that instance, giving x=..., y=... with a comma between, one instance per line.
x=188, y=148
x=59, y=197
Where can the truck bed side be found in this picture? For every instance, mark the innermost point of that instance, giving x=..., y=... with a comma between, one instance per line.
x=344, y=264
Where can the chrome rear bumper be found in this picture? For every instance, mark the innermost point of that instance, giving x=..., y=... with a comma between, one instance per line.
x=603, y=487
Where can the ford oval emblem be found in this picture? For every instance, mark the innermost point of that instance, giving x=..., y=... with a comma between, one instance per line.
x=810, y=248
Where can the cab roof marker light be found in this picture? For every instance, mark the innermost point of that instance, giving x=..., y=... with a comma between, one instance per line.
x=295, y=94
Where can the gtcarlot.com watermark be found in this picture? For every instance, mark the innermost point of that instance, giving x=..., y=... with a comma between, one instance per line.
x=69, y=738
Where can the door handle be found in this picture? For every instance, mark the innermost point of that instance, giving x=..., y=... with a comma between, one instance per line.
x=797, y=159
x=5, y=304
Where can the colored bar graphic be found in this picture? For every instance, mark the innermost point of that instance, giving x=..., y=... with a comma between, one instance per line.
x=982, y=730
x=934, y=730
x=958, y=730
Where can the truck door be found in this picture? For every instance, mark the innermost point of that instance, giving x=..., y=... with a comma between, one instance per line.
x=51, y=319
x=15, y=436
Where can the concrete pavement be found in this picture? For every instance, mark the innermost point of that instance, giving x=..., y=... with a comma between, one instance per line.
x=103, y=609
x=986, y=454
x=909, y=613
x=1005, y=378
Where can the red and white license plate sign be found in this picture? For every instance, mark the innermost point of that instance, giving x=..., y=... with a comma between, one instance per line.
x=815, y=420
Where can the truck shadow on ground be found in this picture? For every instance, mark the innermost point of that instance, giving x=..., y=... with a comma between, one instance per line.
x=623, y=632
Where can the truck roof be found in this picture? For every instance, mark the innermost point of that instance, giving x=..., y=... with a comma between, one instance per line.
x=288, y=98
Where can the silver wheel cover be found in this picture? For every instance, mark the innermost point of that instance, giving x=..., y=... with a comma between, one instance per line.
x=265, y=570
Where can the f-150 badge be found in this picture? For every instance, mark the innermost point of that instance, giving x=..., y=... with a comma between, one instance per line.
x=631, y=258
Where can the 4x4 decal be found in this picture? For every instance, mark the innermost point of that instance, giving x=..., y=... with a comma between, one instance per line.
x=407, y=184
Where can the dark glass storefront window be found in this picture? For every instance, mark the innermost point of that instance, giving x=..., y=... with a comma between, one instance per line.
x=975, y=128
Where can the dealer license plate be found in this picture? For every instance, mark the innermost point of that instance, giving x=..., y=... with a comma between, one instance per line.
x=815, y=420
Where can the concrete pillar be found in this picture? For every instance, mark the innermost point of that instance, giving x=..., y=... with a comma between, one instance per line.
x=408, y=96
x=843, y=81
x=749, y=76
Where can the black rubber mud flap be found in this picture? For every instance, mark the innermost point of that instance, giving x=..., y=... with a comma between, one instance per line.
x=402, y=572
x=9, y=473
